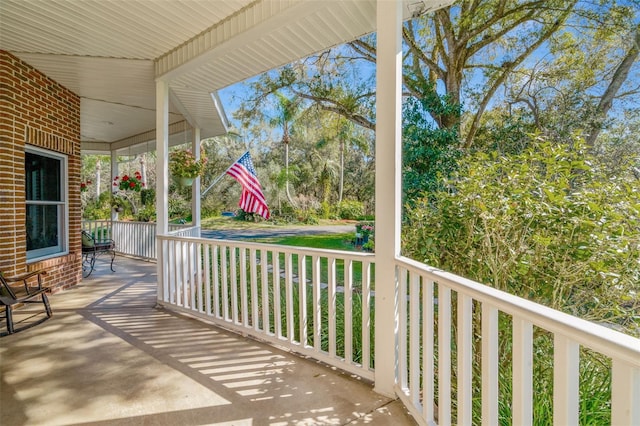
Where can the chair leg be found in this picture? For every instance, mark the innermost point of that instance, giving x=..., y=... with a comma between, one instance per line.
x=47, y=307
x=113, y=256
x=9, y=320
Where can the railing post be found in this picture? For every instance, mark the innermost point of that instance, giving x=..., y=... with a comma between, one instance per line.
x=388, y=188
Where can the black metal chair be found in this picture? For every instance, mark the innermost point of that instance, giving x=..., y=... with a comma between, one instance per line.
x=12, y=295
x=92, y=248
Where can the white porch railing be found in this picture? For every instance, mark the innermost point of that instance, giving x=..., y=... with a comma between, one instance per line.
x=136, y=239
x=449, y=329
x=314, y=302
x=459, y=319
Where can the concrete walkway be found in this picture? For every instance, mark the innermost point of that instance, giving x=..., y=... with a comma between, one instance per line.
x=109, y=357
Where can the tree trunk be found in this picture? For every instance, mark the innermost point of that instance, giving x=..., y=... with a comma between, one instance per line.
x=619, y=77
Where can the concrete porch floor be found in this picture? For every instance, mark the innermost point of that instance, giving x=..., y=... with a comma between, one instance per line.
x=108, y=356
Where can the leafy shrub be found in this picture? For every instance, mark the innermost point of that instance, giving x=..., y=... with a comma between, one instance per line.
x=146, y=214
x=325, y=210
x=351, y=209
x=244, y=216
x=550, y=224
x=148, y=197
x=308, y=217
x=178, y=206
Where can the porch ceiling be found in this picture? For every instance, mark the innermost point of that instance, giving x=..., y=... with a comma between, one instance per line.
x=110, y=53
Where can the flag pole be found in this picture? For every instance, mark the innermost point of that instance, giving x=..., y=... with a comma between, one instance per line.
x=221, y=176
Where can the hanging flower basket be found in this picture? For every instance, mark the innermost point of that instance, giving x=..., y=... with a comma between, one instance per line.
x=184, y=165
x=129, y=183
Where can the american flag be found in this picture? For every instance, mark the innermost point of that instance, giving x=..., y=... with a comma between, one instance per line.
x=252, y=199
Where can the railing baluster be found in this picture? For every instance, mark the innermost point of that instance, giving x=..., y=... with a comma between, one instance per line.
x=444, y=355
x=522, y=372
x=277, y=320
x=414, y=338
x=233, y=283
x=317, y=311
x=625, y=393
x=264, y=266
x=253, y=260
x=173, y=273
x=348, y=311
x=403, y=379
x=428, y=359
x=206, y=252
x=288, y=283
x=331, y=271
x=186, y=280
x=366, y=315
x=243, y=287
x=489, y=365
x=216, y=281
x=224, y=283
x=465, y=359
x=566, y=380
x=302, y=300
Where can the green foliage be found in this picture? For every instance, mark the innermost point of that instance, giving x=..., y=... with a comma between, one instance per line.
x=244, y=216
x=178, y=206
x=351, y=209
x=551, y=225
x=146, y=214
x=148, y=197
x=325, y=210
x=307, y=216
x=428, y=152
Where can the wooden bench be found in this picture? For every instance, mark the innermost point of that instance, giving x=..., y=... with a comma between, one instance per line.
x=92, y=248
x=26, y=292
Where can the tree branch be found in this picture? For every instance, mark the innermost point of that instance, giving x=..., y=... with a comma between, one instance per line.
x=507, y=69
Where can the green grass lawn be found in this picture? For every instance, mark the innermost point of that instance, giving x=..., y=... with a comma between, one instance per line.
x=326, y=241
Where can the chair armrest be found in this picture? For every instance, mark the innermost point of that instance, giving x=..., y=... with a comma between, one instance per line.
x=25, y=279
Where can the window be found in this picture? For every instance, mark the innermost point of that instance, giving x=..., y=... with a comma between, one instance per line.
x=46, y=204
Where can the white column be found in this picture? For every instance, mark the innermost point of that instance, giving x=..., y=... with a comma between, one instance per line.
x=114, y=173
x=388, y=188
x=162, y=162
x=196, y=187
x=162, y=180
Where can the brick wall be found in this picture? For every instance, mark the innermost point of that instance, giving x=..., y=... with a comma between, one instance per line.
x=35, y=110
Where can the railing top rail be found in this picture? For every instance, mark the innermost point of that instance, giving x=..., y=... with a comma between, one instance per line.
x=610, y=342
x=178, y=229
x=347, y=255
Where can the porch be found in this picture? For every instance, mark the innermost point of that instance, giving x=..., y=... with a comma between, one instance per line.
x=109, y=355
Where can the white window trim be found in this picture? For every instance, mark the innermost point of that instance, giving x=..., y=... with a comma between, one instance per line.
x=43, y=254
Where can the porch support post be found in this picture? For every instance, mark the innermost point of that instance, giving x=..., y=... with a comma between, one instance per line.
x=162, y=162
x=114, y=173
x=388, y=189
x=162, y=179
x=196, y=188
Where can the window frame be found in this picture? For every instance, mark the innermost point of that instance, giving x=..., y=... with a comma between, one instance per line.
x=62, y=248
